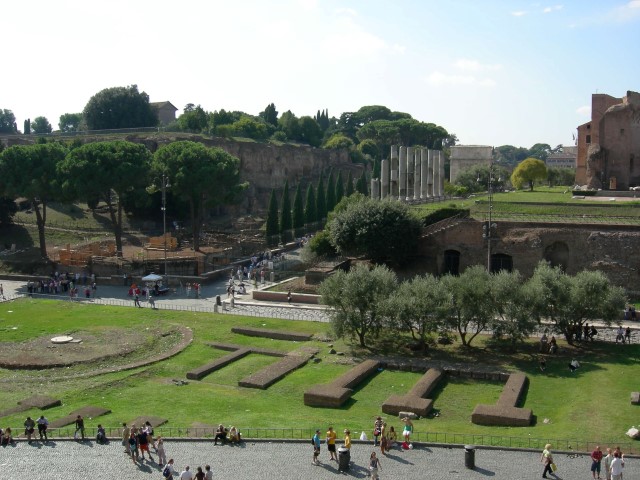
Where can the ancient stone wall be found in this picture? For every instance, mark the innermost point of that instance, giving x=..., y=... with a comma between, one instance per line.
x=614, y=250
x=465, y=156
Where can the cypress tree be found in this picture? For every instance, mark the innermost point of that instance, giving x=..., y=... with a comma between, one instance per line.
x=27, y=126
x=285, y=214
x=349, y=190
x=298, y=211
x=272, y=218
x=339, y=188
x=330, y=199
x=321, y=204
x=310, y=214
x=376, y=169
x=362, y=184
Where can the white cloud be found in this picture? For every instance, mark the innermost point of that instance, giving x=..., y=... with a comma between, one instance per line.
x=347, y=11
x=554, y=8
x=584, y=111
x=519, y=13
x=634, y=4
x=470, y=65
x=440, y=79
x=625, y=13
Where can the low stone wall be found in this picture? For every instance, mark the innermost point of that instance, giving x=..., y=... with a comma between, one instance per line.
x=415, y=401
x=334, y=394
x=269, y=375
x=275, y=334
x=204, y=370
x=505, y=412
x=281, y=297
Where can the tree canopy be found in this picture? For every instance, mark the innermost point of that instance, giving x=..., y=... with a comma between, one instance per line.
x=115, y=172
x=70, y=122
x=384, y=231
x=41, y=125
x=205, y=177
x=119, y=107
x=7, y=121
x=529, y=171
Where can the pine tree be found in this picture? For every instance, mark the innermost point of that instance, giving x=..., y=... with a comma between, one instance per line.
x=285, y=214
x=321, y=203
x=272, y=227
x=310, y=214
x=349, y=190
x=330, y=198
x=298, y=211
x=339, y=188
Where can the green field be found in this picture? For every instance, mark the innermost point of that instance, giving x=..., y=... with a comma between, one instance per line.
x=589, y=406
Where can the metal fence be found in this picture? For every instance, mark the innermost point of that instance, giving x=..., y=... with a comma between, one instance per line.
x=302, y=434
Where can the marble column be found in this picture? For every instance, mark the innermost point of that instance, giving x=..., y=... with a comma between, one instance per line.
x=416, y=174
x=402, y=173
x=393, y=178
x=441, y=185
x=410, y=176
x=424, y=168
x=375, y=189
x=384, y=178
x=429, y=173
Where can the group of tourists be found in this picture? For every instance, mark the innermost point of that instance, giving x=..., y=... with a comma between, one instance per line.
x=613, y=463
x=64, y=283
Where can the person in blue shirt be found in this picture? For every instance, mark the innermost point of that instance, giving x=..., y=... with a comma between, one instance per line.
x=316, y=448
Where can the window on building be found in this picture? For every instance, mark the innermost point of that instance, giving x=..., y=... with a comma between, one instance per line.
x=588, y=138
x=452, y=262
x=501, y=261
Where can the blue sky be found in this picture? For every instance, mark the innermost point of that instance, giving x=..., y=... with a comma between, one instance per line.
x=492, y=72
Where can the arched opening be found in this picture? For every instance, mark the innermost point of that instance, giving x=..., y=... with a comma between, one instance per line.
x=557, y=254
x=451, y=262
x=501, y=261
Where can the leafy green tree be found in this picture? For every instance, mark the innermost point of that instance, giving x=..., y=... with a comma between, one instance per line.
x=528, y=171
x=384, y=231
x=70, y=122
x=339, y=188
x=221, y=117
x=30, y=171
x=119, y=107
x=113, y=172
x=470, y=305
x=370, y=148
x=540, y=151
x=476, y=178
x=249, y=128
x=203, y=176
x=570, y=302
x=561, y=176
x=310, y=131
x=270, y=115
x=272, y=225
x=338, y=141
x=357, y=298
x=321, y=246
x=298, y=211
x=512, y=299
x=41, y=125
x=288, y=123
x=27, y=127
x=194, y=119
x=285, y=214
x=510, y=155
x=349, y=188
x=330, y=197
x=418, y=307
x=7, y=121
x=310, y=213
x=321, y=203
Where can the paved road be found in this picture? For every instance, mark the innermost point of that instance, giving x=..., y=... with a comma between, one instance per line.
x=278, y=460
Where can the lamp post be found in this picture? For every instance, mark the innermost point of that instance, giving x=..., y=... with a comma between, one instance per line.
x=165, y=184
x=489, y=226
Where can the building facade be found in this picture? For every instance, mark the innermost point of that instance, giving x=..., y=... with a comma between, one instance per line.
x=465, y=156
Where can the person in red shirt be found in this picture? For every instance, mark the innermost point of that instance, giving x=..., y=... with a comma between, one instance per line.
x=596, y=457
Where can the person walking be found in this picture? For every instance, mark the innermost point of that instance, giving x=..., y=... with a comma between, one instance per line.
x=126, y=433
x=316, y=447
x=407, y=430
x=136, y=300
x=168, y=472
x=208, y=474
x=199, y=474
x=547, y=459
x=377, y=428
x=596, y=461
x=186, y=474
x=331, y=444
x=374, y=466
x=162, y=456
x=79, y=427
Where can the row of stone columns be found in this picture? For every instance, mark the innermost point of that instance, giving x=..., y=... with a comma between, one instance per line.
x=411, y=174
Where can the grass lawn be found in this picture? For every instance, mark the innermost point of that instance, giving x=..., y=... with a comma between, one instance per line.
x=591, y=405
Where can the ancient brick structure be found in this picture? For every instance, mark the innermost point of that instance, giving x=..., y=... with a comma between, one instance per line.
x=520, y=246
x=609, y=145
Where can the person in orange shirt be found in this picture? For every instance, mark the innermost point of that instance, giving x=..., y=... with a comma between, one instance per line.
x=331, y=444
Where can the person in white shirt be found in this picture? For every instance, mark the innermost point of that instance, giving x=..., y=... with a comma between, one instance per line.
x=617, y=464
x=186, y=474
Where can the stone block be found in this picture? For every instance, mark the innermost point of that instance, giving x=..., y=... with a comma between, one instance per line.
x=635, y=398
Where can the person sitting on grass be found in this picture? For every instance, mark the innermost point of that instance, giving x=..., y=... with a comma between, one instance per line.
x=574, y=365
x=543, y=364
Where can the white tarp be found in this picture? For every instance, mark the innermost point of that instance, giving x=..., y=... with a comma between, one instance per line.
x=152, y=277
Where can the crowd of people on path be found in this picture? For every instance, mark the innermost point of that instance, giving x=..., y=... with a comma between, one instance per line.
x=66, y=283
x=613, y=463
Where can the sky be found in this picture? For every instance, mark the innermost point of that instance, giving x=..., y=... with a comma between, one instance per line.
x=494, y=72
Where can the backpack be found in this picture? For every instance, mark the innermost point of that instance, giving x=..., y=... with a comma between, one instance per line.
x=166, y=473
x=312, y=442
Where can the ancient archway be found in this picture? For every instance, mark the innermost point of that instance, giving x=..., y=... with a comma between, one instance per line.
x=557, y=254
x=501, y=261
x=451, y=262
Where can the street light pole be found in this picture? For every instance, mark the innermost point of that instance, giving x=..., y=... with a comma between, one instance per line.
x=489, y=226
x=164, y=222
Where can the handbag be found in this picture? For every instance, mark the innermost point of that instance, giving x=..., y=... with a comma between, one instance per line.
x=554, y=467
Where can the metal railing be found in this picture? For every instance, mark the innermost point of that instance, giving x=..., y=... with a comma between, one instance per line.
x=305, y=434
